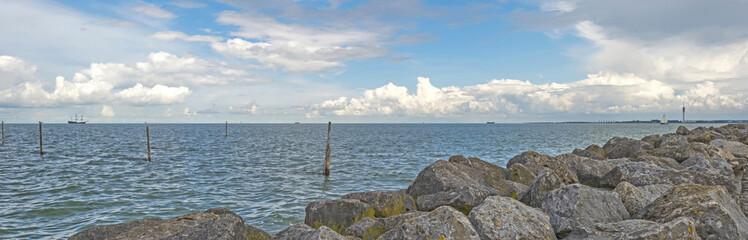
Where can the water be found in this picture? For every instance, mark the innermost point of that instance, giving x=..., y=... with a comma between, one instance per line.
x=267, y=173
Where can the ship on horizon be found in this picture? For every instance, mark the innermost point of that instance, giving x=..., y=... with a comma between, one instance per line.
x=76, y=120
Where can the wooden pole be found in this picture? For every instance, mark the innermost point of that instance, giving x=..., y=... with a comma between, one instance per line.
x=3, y=127
x=327, y=151
x=148, y=141
x=227, y=128
x=41, y=150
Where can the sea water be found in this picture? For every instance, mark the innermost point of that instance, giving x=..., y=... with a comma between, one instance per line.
x=96, y=174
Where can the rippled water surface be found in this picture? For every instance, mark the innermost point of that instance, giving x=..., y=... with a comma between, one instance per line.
x=267, y=173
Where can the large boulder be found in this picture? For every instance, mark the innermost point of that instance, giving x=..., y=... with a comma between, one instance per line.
x=303, y=232
x=546, y=182
x=680, y=153
x=589, y=171
x=618, y=147
x=743, y=200
x=506, y=218
x=577, y=208
x=737, y=149
x=520, y=173
x=671, y=140
x=215, y=223
x=385, y=203
x=635, y=199
x=663, y=162
x=492, y=175
x=679, y=228
x=443, y=223
x=337, y=214
x=716, y=215
x=536, y=162
x=682, y=130
x=463, y=198
x=593, y=151
x=701, y=134
x=652, y=139
x=443, y=176
x=372, y=228
x=642, y=174
x=715, y=165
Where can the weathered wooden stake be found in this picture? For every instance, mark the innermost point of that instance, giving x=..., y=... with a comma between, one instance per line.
x=327, y=151
x=148, y=142
x=3, y=127
x=41, y=151
x=227, y=128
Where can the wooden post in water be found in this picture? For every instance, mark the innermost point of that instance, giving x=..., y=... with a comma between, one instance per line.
x=327, y=151
x=227, y=128
x=3, y=129
x=41, y=151
x=148, y=141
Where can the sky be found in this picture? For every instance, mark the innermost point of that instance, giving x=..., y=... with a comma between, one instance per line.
x=375, y=61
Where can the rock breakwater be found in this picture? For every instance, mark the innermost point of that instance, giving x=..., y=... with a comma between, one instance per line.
x=684, y=185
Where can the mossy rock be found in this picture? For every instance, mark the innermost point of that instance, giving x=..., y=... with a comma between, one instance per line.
x=337, y=214
x=386, y=203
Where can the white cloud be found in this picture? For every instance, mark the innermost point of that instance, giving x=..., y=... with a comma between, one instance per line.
x=13, y=70
x=187, y=112
x=560, y=6
x=107, y=111
x=168, y=113
x=250, y=108
x=153, y=11
x=188, y=4
x=169, y=36
x=601, y=93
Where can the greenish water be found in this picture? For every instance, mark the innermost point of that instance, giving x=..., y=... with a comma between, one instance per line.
x=267, y=173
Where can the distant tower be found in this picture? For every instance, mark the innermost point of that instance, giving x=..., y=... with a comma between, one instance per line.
x=684, y=112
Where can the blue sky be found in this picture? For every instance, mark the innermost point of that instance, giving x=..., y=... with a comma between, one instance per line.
x=371, y=61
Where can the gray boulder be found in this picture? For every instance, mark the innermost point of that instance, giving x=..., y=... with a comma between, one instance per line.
x=716, y=165
x=577, y=208
x=682, y=130
x=652, y=139
x=589, y=171
x=737, y=149
x=215, y=223
x=443, y=176
x=506, y=218
x=743, y=200
x=618, y=147
x=671, y=140
x=546, y=182
x=633, y=198
x=336, y=214
x=443, y=223
x=701, y=134
x=716, y=215
x=303, y=232
x=642, y=174
x=372, y=228
x=664, y=162
x=385, y=203
x=679, y=228
x=463, y=199
x=536, y=162
x=593, y=151
x=520, y=173
x=680, y=153
x=492, y=175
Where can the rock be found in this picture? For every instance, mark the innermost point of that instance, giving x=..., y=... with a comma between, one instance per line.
x=493, y=175
x=714, y=151
x=385, y=203
x=369, y=228
x=546, y=182
x=593, y=151
x=715, y=165
x=506, y=218
x=633, y=198
x=663, y=162
x=743, y=200
x=443, y=176
x=680, y=153
x=520, y=174
x=303, y=232
x=671, y=140
x=679, y=228
x=618, y=147
x=701, y=134
x=536, y=162
x=336, y=214
x=682, y=130
x=215, y=223
x=463, y=199
x=716, y=215
x=652, y=139
x=443, y=223
x=589, y=171
x=577, y=208
x=642, y=174
x=737, y=149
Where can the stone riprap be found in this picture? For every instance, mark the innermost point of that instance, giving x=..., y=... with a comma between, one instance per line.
x=685, y=185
